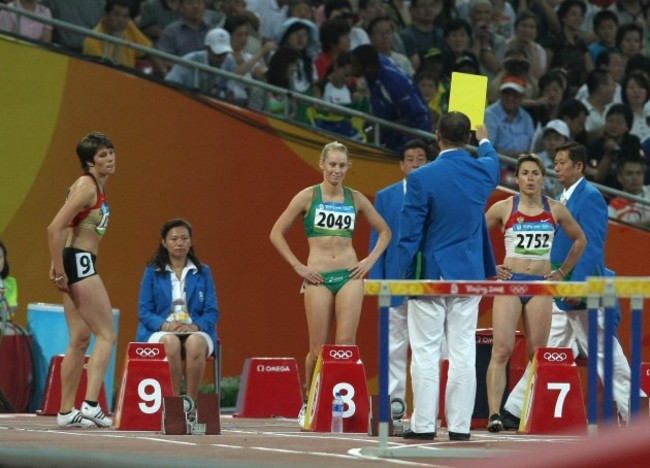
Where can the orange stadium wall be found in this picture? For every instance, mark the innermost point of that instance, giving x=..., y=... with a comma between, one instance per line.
x=229, y=171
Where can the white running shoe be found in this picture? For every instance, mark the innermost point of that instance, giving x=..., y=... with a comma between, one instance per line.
x=73, y=419
x=302, y=414
x=96, y=415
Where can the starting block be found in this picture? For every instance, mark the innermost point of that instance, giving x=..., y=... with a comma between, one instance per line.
x=52, y=393
x=269, y=387
x=145, y=382
x=554, y=403
x=182, y=417
x=338, y=370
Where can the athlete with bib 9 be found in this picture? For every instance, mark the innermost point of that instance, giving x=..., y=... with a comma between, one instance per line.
x=333, y=275
x=528, y=221
x=73, y=238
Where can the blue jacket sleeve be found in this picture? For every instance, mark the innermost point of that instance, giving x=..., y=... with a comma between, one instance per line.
x=412, y=218
x=147, y=309
x=409, y=102
x=378, y=270
x=593, y=220
x=209, y=316
x=488, y=156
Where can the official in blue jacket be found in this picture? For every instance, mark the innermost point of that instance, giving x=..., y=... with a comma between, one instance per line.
x=388, y=203
x=178, y=306
x=443, y=216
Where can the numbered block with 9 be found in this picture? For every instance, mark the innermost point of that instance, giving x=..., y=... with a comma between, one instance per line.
x=145, y=382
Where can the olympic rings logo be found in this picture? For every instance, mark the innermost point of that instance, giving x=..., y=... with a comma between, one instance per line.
x=340, y=354
x=555, y=357
x=519, y=290
x=147, y=352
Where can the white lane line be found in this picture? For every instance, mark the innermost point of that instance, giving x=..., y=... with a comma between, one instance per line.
x=303, y=453
x=356, y=452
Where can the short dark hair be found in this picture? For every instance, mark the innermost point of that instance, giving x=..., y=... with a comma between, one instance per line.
x=604, y=57
x=550, y=77
x=366, y=55
x=456, y=25
x=595, y=78
x=566, y=5
x=5, y=269
x=630, y=160
x=640, y=80
x=375, y=21
x=525, y=15
x=530, y=157
x=416, y=143
x=88, y=146
x=110, y=4
x=577, y=153
x=331, y=5
x=625, y=111
x=331, y=32
x=625, y=28
x=233, y=22
x=454, y=128
x=604, y=15
x=572, y=109
x=638, y=62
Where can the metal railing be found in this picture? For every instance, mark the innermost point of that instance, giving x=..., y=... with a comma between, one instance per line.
x=377, y=123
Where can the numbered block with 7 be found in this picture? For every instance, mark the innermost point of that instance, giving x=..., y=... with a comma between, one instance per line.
x=145, y=382
x=554, y=403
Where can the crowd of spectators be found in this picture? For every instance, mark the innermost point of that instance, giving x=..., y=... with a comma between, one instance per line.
x=557, y=69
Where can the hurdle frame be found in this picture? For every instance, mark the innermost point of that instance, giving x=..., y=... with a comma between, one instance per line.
x=593, y=289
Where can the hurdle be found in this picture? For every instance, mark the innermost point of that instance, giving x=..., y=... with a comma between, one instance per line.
x=598, y=291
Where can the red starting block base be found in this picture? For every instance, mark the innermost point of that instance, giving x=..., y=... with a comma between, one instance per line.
x=181, y=417
x=338, y=369
x=145, y=382
x=554, y=403
x=269, y=387
x=52, y=393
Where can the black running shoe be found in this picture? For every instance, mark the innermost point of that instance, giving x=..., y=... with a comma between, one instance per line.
x=509, y=420
x=495, y=424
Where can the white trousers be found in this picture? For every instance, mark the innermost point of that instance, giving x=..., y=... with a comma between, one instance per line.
x=431, y=318
x=567, y=330
x=398, y=345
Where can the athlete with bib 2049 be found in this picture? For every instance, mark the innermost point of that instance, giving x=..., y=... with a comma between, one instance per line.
x=529, y=221
x=73, y=238
x=333, y=275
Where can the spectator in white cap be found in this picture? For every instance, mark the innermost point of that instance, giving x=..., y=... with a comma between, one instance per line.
x=556, y=133
x=217, y=54
x=509, y=125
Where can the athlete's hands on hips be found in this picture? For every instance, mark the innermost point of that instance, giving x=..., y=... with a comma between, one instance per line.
x=311, y=276
x=503, y=272
x=361, y=269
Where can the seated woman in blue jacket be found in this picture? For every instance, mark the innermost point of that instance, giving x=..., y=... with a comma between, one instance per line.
x=178, y=306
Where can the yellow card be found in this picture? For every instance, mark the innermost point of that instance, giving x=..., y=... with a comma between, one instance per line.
x=468, y=95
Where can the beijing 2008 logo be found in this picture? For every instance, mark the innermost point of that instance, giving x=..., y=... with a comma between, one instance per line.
x=147, y=352
x=340, y=354
x=555, y=357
